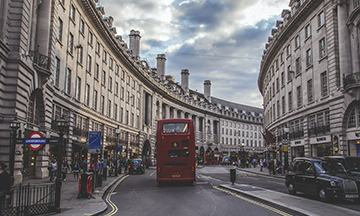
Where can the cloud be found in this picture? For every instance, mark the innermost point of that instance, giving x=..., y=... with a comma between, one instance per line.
x=217, y=40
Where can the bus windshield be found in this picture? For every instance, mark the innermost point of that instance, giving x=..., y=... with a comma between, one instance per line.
x=180, y=127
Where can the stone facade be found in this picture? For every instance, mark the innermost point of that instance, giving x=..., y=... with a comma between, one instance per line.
x=64, y=58
x=309, y=78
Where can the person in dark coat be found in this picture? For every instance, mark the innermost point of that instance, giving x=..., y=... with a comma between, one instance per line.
x=5, y=185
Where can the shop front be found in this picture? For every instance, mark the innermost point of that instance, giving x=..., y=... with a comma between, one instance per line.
x=321, y=146
x=297, y=149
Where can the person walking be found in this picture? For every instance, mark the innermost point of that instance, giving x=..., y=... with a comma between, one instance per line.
x=5, y=185
x=261, y=162
x=64, y=168
x=53, y=170
x=76, y=170
x=84, y=165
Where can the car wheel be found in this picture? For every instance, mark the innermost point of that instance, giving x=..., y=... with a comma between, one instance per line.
x=323, y=195
x=291, y=189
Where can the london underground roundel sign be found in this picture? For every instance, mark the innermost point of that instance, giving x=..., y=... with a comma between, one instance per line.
x=37, y=139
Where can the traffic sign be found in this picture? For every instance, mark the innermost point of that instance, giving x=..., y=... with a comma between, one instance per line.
x=285, y=141
x=36, y=141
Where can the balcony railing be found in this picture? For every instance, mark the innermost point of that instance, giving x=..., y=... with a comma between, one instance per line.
x=351, y=80
x=319, y=130
x=40, y=60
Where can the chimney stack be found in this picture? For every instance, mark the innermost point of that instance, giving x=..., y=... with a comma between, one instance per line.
x=185, y=80
x=207, y=90
x=161, y=66
x=135, y=43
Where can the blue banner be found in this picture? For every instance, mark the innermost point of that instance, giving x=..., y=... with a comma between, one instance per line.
x=94, y=142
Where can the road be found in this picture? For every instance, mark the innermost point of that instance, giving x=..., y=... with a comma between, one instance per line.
x=140, y=194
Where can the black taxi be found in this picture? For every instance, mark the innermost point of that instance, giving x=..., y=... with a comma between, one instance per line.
x=324, y=178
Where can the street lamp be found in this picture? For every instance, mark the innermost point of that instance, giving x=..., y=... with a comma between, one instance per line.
x=286, y=130
x=117, y=131
x=14, y=125
x=62, y=126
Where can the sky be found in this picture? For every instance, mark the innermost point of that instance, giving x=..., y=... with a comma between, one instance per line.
x=217, y=40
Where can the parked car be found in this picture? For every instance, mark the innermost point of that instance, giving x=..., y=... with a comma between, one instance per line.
x=351, y=164
x=136, y=165
x=323, y=178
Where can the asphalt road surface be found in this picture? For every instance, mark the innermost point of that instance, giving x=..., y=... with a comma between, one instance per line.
x=139, y=194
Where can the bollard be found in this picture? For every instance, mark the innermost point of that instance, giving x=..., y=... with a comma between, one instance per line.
x=233, y=175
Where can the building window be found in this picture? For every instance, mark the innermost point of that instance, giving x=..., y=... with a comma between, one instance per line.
x=78, y=88
x=88, y=63
x=111, y=63
x=299, y=96
x=105, y=56
x=324, y=84
x=352, y=119
x=298, y=66
x=277, y=84
x=297, y=41
x=321, y=17
x=127, y=117
x=71, y=44
x=57, y=71
x=109, y=108
x=281, y=57
x=82, y=27
x=122, y=93
x=117, y=69
x=95, y=100
x=97, y=50
x=72, y=13
x=282, y=79
x=290, y=101
x=90, y=39
x=308, y=58
x=278, y=108
x=110, y=83
x=102, y=101
x=307, y=31
x=289, y=72
x=121, y=114
x=87, y=95
x=310, y=91
x=116, y=88
x=103, y=78
x=115, y=111
x=96, y=74
x=68, y=81
x=60, y=30
x=80, y=55
x=322, y=48
x=288, y=50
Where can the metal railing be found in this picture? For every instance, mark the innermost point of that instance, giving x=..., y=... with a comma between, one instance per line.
x=319, y=130
x=40, y=60
x=30, y=200
x=351, y=80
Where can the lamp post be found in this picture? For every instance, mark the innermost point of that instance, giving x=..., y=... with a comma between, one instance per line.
x=117, y=131
x=285, y=147
x=14, y=125
x=62, y=126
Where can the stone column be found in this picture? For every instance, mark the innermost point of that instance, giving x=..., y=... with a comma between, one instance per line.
x=344, y=40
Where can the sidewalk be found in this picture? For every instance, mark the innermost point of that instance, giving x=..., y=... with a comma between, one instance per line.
x=72, y=206
x=286, y=201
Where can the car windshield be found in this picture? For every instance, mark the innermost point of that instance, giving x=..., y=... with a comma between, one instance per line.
x=136, y=162
x=330, y=167
x=353, y=164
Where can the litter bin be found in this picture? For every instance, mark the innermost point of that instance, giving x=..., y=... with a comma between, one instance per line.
x=232, y=175
x=99, y=180
x=85, y=185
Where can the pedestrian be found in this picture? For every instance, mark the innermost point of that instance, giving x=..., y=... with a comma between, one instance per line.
x=84, y=165
x=64, y=168
x=76, y=170
x=271, y=166
x=261, y=164
x=5, y=185
x=53, y=170
x=92, y=166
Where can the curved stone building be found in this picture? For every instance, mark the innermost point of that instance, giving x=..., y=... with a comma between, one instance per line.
x=309, y=78
x=64, y=59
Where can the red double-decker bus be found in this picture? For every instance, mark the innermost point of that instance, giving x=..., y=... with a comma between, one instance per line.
x=175, y=150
